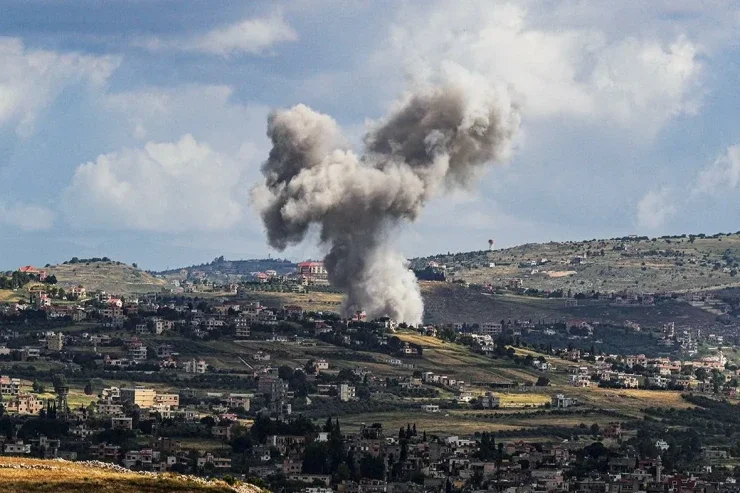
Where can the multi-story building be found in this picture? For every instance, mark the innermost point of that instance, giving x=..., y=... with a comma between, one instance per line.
x=238, y=400
x=274, y=386
x=492, y=329
x=121, y=423
x=195, y=366
x=243, y=327
x=139, y=396
x=346, y=392
x=55, y=342
x=24, y=404
x=137, y=352
x=313, y=273
x=171, y=400
x=489, y=400
x=560, y=401
x=9, y=386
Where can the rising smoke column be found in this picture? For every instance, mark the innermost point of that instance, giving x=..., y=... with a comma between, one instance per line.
x=435, y=140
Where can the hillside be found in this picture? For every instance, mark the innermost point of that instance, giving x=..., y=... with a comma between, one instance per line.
x=633, y=264
x=221, y=270
x=450, y=303
x=31, y=475
x=109, y=276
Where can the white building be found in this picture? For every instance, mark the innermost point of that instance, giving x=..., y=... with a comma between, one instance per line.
x=195, y=366
x=346, y=392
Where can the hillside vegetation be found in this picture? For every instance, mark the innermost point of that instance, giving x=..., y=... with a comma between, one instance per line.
x=109, y=276
x=54, y=476
x=221, y=270
x=634, y=264
x=450, y=303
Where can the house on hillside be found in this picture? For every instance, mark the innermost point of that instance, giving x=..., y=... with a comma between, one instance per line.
x=31, y=270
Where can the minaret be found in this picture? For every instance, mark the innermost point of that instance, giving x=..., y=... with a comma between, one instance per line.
x=658, y=468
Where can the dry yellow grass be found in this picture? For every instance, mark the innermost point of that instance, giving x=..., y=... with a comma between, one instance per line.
x=316, y=302
x=560, y=273
x=523, y=400
x=35, y=476
x=10, y=296
x=107, y=276
x=630, y=401
x=444, y=422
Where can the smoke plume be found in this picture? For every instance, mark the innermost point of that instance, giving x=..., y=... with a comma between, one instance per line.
x=435, y=140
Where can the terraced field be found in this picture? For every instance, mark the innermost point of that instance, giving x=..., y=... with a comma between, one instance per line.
x=111, y=277
x=679, y=263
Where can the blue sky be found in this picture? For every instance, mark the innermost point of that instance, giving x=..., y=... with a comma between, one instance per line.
x=135, y=129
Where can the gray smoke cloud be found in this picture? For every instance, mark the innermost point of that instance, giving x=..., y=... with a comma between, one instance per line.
x=435, y=140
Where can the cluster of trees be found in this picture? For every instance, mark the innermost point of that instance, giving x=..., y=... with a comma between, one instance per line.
x=15, y=280
x=76, y=260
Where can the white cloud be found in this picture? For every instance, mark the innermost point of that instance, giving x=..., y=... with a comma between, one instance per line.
x=557, y=69
x=250, y=36
x=170, y=186
x=206, y=111
x=724, y=173
x=30, y=79
x=26, y=217
x=655, y=208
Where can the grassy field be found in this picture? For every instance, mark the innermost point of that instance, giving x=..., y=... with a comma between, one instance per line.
x=442, y=423
x=458, y=361
x=466, y=422
x=628, y=401
x=111, y=277
x=316, y=301
x=21, y=475
x=12, y=296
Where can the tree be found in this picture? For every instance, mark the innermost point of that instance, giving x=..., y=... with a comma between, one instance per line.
x=542, y=382
x=59, y=381
x=38, y=387
x=343, y=473
x=372, y=467
x=88, y=388
x=595, y=430
x=315, y=458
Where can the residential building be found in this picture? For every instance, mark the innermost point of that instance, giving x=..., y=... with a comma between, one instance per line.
x=24, y=404
x=313, y=273
x=55, y=342
x=121, y=423
x=560, y=401
x=489, y=400
x=346, y=392
x=195, y=366
x=139, y=396
x=9, y=386
x=170, y=400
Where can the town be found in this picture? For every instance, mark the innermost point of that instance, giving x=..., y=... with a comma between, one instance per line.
x=204, y=379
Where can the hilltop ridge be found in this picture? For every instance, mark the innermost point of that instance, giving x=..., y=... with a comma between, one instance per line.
x=628, y=264
x=105, y=275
